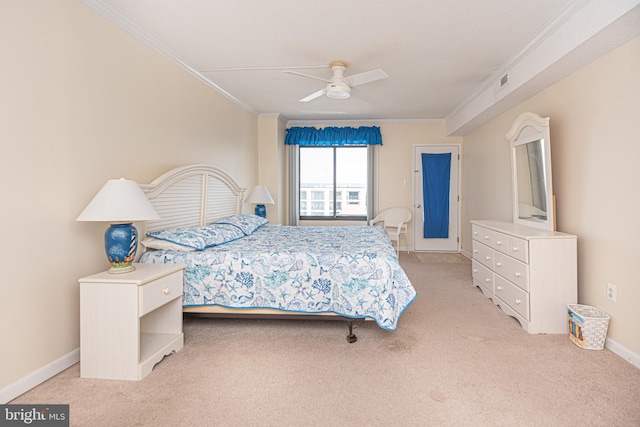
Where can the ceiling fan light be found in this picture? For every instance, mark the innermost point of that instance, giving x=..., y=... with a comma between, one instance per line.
x=338, y=91
x=338, y=94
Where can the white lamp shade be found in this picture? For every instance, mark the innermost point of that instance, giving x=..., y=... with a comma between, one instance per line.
x=259, y=195
x=119, y=200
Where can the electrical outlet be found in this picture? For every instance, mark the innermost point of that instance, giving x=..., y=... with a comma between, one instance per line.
x=612, y=292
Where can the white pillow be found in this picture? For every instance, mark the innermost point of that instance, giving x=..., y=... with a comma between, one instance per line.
x=153, y=243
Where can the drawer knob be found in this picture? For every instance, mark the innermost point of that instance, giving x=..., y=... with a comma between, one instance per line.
x=475, y=270
x=499, y=288
x=515, y=249
x=487, y=258
x=165, y=291
x=487, y=280
x=518, y=301
x=518, y=274
x=498, y=264
x=499, y=243
x=475, y=251
x=486, y=237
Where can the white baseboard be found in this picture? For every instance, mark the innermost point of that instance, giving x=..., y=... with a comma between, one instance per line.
x=610, y=344
x=36, y=378
x=623, y=352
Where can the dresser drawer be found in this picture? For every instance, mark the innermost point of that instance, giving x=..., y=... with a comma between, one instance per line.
x=513, y=296
x=483, y=253
x=500, y=242
x=159, y=292
x=476, y=232
x=483, y=235
x=493, y=239
x=518, y=248
x=513, y=270
x=482, y=275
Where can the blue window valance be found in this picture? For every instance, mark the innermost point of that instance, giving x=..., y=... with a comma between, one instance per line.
x=333, y=136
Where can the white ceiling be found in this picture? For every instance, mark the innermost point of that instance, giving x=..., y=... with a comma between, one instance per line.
x=438, y=54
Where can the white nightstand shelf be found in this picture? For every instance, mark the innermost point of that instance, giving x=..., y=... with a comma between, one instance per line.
x=130, y=321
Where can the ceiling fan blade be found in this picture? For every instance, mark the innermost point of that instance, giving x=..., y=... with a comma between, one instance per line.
x=306, y=75
x=366, y=77
x=314, y=95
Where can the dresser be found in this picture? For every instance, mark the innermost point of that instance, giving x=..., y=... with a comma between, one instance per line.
x=530, y=273
x=130, y=321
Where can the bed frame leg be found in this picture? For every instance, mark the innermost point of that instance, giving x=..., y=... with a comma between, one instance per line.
x=351, y=338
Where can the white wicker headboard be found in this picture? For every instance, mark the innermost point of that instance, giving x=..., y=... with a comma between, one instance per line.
x=193, y=195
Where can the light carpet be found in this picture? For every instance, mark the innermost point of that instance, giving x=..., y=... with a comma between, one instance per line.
x=455, y=360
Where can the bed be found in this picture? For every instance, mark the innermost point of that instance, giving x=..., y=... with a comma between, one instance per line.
x=238, y=265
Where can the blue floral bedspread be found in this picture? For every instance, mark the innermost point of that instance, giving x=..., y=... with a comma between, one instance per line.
x=351, y=271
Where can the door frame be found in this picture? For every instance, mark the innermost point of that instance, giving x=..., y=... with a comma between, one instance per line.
x=417, y=175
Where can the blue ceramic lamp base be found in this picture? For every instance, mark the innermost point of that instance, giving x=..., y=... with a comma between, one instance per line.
x=121, y=244
x=261, y=210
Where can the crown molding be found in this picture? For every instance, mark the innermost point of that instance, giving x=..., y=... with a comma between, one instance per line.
x=547, y=31
x=110, y=14
x=370, y=122
x=577, y=30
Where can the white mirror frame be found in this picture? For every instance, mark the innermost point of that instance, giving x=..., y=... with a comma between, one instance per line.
x=530, y=127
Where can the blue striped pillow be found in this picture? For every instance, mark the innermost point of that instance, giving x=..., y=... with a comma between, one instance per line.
x=246, y=222
x=198, y=237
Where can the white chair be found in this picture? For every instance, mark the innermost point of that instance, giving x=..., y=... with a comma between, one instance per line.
x=395, y=221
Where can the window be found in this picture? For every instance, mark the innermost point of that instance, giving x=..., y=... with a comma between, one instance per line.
x=333, y=161
x=337, y=179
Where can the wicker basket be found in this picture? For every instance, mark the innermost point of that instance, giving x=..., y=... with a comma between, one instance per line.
x=588, y=326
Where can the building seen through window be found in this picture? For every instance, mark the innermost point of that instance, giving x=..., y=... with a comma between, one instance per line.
x=333, y=182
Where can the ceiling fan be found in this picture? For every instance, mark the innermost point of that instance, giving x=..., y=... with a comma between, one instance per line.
x=339, y=85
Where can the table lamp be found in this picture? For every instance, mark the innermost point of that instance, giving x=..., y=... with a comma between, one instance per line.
x=120, y=202
x=260, y=195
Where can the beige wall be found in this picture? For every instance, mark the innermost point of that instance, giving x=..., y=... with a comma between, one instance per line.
x=394, y=162
x=595, y=152
x=272, y=166
x=82, y=102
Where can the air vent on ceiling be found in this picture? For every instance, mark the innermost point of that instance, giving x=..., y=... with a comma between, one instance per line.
x=504, y=80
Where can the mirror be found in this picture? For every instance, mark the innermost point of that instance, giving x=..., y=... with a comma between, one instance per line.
x=531, y=172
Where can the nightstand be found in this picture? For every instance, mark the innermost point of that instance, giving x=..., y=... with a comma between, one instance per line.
x=130, y=321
